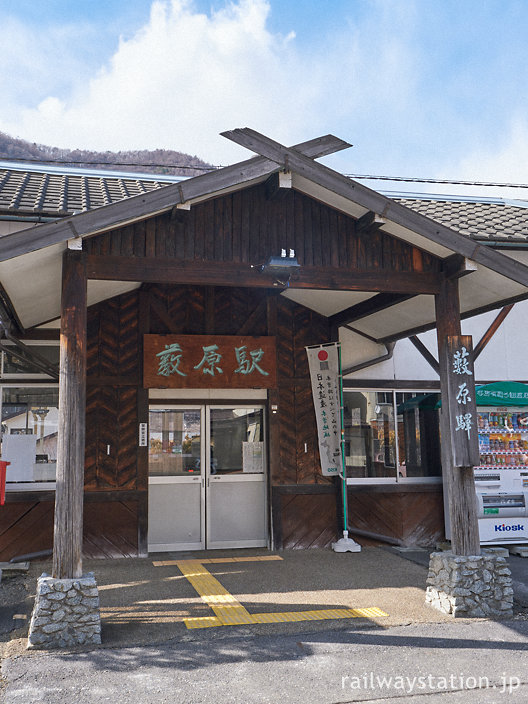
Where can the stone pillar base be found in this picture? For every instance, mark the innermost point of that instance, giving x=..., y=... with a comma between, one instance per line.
x=470, y=586
x=66, y=613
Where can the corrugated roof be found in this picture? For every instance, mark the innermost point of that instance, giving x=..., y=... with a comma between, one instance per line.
x=60, y=191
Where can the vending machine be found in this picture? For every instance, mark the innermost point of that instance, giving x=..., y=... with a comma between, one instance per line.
x=501, y=478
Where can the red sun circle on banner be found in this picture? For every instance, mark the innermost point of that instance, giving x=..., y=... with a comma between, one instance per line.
x=322, y=355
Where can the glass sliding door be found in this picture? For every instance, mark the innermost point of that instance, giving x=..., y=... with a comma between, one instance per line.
x=207, y=478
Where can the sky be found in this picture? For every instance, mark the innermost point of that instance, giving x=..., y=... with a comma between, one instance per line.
x=421, y=88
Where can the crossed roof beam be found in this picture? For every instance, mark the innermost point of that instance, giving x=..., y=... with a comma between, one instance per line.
x=155, y=202
x=372, y=208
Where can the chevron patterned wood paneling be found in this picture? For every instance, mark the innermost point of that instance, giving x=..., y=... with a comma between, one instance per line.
x=308, y=521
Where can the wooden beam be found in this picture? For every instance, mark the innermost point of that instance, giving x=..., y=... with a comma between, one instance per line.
x=372, y=305
x=459, y=481
x=278, y=185
x=479, y=348
x=158, y=201
x=199, y=272
x=456, y=266
x=370, y=222
x=68, y=530
x=422, y=349
x=373, y=201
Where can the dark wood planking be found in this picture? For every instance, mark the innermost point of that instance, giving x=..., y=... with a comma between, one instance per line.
x=308, y=521
x=111, y=533
x=25, y=527
x=413, y=518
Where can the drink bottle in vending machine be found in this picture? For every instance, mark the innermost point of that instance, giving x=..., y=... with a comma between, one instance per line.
x=501, y=479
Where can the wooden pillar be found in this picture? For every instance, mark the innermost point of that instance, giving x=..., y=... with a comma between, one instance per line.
x=275, y=500
x=68, y=532
x=458, y=481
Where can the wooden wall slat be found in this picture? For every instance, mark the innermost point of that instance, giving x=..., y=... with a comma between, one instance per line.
x=308, y=521
x=246, y=226
x=298, y=227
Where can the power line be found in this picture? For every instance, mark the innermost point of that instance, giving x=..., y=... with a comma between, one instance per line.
x=66, y=162
x=362, y=177
x=450, y=182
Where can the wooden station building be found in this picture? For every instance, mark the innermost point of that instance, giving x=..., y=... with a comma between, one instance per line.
x=186, y=408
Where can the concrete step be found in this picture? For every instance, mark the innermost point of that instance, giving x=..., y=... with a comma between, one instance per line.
x=520, y=550
x=13, y=569
x=499, y=551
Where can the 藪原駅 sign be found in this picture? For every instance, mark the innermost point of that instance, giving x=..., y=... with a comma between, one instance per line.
x=462, y=406
x=208, y=362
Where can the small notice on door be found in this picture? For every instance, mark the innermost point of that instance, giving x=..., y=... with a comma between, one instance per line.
x=253, y=457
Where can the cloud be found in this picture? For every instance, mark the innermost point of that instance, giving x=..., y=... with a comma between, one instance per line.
x=187, y=76
x=181, y=80
x=382, y=75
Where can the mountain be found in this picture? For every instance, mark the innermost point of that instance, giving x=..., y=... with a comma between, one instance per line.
x=157, y=161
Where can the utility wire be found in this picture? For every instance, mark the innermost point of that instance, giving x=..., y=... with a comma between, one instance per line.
x=451, y=182
x=66, y=162
x=362, y=177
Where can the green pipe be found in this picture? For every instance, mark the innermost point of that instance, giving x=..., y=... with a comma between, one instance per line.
x=343, y=464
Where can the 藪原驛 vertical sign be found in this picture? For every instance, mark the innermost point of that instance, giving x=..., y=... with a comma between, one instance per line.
x=323, y=361
x=208, y=362
x=461, y=401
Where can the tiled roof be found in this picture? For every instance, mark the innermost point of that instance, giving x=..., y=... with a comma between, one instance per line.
x=53, y=192
x=492, y=220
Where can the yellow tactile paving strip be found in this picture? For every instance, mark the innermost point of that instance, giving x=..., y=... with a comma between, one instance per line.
x=230, y=612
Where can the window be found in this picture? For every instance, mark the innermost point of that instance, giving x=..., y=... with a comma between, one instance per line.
x=29, y=413
x=13, y=364
x=29, y=435
x=391, y=436
x=418, y=435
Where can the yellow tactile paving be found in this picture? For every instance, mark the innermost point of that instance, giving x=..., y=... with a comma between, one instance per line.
x=217, y=560
x=230, y=612
x=227, y=609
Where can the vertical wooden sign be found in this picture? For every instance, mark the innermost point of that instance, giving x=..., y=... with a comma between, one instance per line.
x=461, y=401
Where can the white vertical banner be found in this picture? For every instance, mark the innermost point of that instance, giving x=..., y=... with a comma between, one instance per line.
x=323, y=361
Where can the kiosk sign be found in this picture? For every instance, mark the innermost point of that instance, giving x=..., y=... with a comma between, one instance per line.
x=323, y=361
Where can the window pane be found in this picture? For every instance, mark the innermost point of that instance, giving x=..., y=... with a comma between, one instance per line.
x=418, y=435
x=237, y=441
x=370, y=439
x=14, y=364
x=29, y=434
x=174, y=442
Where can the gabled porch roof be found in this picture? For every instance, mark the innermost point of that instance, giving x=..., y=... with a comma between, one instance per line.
x=30, y=259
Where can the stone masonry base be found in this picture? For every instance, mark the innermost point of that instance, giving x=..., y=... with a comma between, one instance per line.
x=66, y=613
x=470, y=586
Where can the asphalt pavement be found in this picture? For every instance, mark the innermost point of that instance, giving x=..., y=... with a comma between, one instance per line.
x=315, y=626
x=472, y=663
